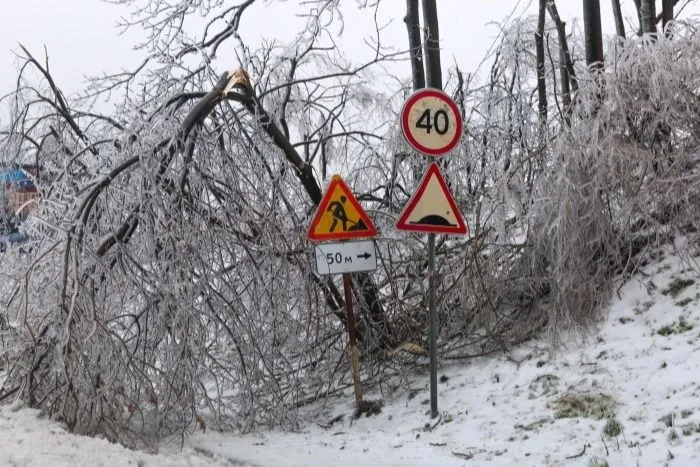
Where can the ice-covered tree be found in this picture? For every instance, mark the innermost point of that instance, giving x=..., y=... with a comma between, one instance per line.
x=170, y=283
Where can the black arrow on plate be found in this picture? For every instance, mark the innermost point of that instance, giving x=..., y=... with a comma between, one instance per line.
x=365, y=256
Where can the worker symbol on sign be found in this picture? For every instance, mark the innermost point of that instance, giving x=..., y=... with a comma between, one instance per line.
x=340, y=216
x=337, y=209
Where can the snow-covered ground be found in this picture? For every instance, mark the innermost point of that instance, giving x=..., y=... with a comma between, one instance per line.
x=629, y=396
x=26, y=440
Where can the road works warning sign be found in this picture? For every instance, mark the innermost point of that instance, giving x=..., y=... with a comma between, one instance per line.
x=339, y=215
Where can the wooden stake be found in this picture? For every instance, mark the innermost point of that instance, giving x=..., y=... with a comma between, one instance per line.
x=354, y=361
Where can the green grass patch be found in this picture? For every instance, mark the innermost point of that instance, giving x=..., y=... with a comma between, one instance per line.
x=683, y=325
x=598, y=462
x=612, y=428
x=676, y=286
x=675, y=328
x=587, y=405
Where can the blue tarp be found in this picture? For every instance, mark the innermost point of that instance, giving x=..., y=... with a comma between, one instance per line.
x=18, y=176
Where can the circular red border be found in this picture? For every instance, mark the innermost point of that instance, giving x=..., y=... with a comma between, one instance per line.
x=406, y=110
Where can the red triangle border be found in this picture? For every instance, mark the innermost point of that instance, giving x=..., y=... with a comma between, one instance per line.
x=402, y=222
x=371, y=231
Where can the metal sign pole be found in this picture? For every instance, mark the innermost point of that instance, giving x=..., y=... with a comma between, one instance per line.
x=434, y=79
x=432, y=124
x=354, y=361
x=433, y=326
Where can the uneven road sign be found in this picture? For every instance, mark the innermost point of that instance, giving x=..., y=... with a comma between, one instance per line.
x=345, y=257
x=432, y=208
x=431, y=122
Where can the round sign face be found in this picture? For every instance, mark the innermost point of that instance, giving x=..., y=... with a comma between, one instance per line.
x=431, y=122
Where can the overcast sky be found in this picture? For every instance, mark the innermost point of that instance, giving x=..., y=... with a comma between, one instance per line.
x=81, y=37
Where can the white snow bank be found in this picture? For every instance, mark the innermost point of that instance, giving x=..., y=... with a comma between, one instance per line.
x=27, y=440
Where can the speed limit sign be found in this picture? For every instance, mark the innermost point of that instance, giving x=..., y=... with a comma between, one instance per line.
x=431, y=122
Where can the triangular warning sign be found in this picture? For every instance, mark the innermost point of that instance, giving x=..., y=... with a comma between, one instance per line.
x=339, y=215
x=432, y=208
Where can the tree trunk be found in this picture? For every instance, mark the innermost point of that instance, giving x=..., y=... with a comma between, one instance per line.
x=619, y=22
x=564, y=81
x=667, y=15
x=412, y=21
x=647, y=9
x=541, y=82
x=593, y=33
x=302, y=170
x=432, y=45
x=563, y=44
x=433, y=67
x=638, y=7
